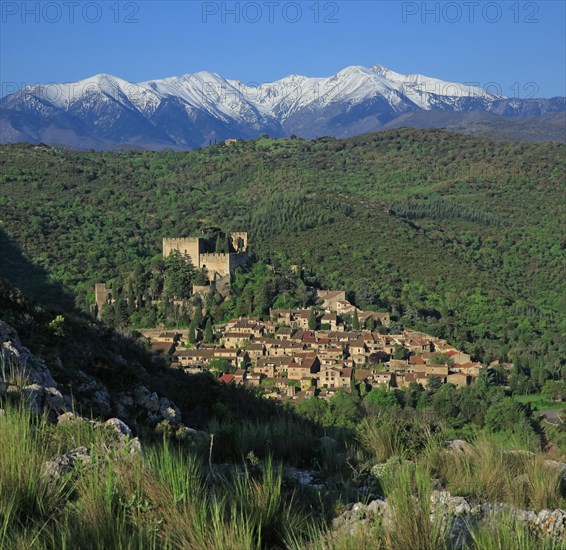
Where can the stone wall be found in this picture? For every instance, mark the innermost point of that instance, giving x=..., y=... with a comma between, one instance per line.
x=188, y=248
x=216, y=263
x=102, y=296
x=237, y=260
x=239, y=241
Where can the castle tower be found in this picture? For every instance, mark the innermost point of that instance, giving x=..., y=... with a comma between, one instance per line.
x=103, y=297
x=189, y=248
x=239, y=241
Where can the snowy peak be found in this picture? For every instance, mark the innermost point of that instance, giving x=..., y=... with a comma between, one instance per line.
x=194, y=109
x=279, y=99
x=99, y=88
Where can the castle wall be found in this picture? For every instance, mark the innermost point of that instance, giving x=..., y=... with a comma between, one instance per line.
x=188, y=248
x=220, y=266
x=219, y=263
x=237, y=260
x=102, y=296
x=239, y=241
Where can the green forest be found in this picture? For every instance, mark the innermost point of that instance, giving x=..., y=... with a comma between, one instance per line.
x=458, y=236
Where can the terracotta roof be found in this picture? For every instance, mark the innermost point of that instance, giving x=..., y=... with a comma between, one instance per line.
x=227, y=378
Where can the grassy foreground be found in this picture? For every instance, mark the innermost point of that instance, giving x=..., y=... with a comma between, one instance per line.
x=171, y=496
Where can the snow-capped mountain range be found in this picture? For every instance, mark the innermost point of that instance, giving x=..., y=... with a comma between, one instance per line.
x=196, y=109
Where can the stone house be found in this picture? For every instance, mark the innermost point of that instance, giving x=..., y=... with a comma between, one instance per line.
x=190, y=357
x=255, y=350
x=247, y=326
x=284, y=316
x=362, y=375
x=172, y=337
x=284, y=333
x=273, y=366
x=309, y=365
x=458, y=357
x=404, y=379
x=330, y=298
x=343, y=307
x=236, y=339
x=335, y=378
x=237, y=357
x=358, y=351
x=459, y=380
x=330, y=319
x=284, y=348
x=382, y=379
x=301, y=318
x=240, y=376
x=255, y=378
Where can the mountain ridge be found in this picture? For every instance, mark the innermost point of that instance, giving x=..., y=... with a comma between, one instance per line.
x=193, y=110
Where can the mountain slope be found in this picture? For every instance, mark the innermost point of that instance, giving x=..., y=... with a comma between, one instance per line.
x=194, y=110
x=459, y=235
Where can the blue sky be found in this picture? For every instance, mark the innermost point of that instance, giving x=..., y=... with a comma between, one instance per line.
x=514, y=47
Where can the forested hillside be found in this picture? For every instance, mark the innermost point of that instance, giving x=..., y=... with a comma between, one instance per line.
x=457, y=236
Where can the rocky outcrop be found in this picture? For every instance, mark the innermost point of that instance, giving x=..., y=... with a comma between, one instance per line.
x=457, y=514
x=63, y=464
x=25, y=376
x=148, y=406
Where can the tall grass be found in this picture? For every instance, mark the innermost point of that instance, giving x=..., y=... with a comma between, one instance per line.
x=28, y=499
x=488, y=471
x=228, y=509
x=503, y=532
x=167, y=499
x=172, y=498
x=283, y=437
x=408, y=489
x=398, y=433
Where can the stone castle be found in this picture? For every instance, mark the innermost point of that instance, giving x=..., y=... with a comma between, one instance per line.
x=219, y=266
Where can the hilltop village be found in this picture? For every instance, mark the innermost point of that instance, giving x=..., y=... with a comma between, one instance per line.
x=298, y=353
x=314, y=352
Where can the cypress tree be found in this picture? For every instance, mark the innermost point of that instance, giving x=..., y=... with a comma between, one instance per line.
x=356, y=321
x=192, y=333
x=197, y=318
x=312, y=320
x=208, y=335
x=218, y=248
x=371, y=323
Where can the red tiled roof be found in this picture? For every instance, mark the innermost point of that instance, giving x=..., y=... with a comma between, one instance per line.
x=227, y=378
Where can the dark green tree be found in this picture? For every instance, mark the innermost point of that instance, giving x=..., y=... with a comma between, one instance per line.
x=433, y=383
x=371, y=323
x=197, y=317
x=356, y=321
x=378, y=399
x=312, y=319
x=219, y=247
x=192, y=335
x=208, y=334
